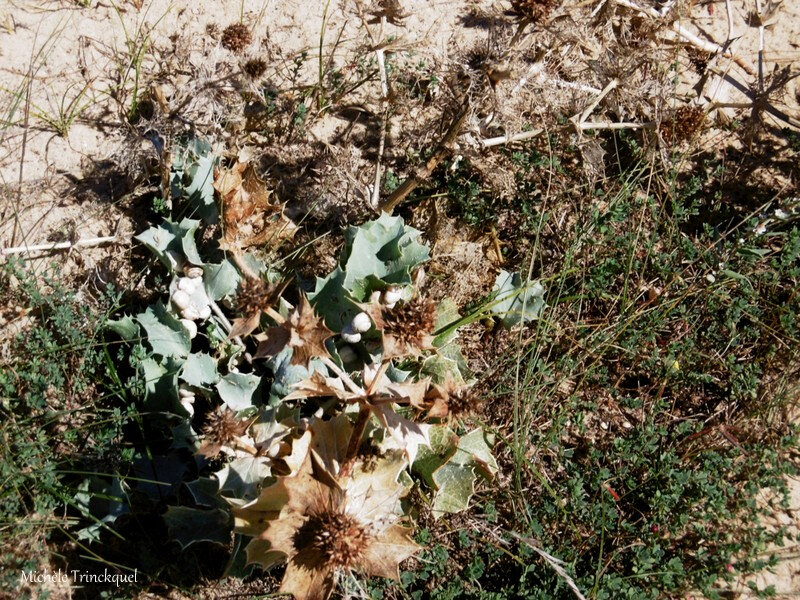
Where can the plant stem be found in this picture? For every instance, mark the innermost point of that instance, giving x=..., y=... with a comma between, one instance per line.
x=355, y=440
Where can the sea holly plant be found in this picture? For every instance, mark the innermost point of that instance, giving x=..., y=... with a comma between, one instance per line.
x=323, y=403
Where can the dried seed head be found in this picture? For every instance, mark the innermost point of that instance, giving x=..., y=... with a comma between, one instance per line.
x=533, y=10
x=221, y=429
x=254, y=68
x=407, y=326
x=451, y=400
x=409, y=319
x=698, y=59
x=236, y=37
x=684, y=123
x=253, y=296
x=337, y=537
x=461, y=401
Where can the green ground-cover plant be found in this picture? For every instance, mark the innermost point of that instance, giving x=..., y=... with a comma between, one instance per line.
x=62, y=413
x=648, y=399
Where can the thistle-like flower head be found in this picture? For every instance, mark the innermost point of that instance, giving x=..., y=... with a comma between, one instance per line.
x=407, y=327
x=319, y=521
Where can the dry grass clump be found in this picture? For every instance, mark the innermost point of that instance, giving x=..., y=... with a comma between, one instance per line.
x=683, y=124
x=236, y=37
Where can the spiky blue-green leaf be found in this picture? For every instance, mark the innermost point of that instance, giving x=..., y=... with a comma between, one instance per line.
x=220, y=280
x=238, y=390
x=188, y=526
x=165, y=334
x=200, y=370
x=516, y=300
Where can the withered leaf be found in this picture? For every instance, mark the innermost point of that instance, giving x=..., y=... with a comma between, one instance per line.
x=304, y=332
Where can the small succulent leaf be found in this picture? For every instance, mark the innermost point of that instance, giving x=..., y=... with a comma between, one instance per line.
x=243, y=476
x=165, y=334
x=384, y=248
x=237, y=566
x=188, y=526
x=192, y=178
x=474, y=451
x=220, y=280
x=199, y=370
x=125, y=327
x=205, y=492
x=287, y=375
x=451, y=466
x=238, y=390
x=184, y=233
x=104, y=501
x=517, y=301
x=440, y=369
x=456, y=485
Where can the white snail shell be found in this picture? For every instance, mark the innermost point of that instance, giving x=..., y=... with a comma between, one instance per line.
x=191, y=313
x=191, y=327
x=193, y=272
x=391, y=296
x=351, y=338
x=361, y=323
x=181, y=300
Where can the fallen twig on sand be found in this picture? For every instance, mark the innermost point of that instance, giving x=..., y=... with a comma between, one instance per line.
x=87, y=243
x=421, y=174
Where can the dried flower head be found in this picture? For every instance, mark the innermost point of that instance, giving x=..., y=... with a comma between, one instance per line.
x=221, y=430
x=533, y=10
x=254, y=297
x=335, y=537
x=236, y=37
x=698, y=58
x=254, y=68
x=407, y=327
x=450, y=399
x=321, y=521
x=304, y=332
x=684, y=123
x=392, y=10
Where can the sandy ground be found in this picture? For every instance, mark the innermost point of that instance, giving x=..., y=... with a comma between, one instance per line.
x=63, y=64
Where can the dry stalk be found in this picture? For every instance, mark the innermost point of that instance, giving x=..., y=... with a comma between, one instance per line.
x=86, y=243
x=379, y=53
x=422, y=173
